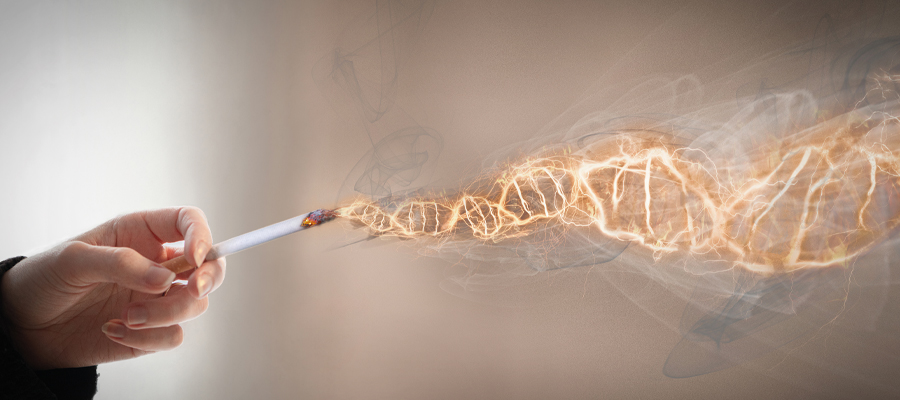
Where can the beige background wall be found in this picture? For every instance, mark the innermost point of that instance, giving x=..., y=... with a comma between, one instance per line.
x=113, y=106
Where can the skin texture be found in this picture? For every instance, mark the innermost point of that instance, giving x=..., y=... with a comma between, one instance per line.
x=99, y=297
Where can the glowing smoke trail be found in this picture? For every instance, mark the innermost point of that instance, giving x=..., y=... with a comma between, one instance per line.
x=816, y=199
x=783, y=197
x=754, y=208
x=792, y=212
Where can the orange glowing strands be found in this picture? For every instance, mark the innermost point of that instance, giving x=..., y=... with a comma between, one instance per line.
x=814, y=200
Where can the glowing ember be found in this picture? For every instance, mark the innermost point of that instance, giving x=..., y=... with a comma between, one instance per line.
x=317, y=217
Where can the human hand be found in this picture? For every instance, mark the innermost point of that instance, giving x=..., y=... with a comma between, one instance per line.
x=99, y=297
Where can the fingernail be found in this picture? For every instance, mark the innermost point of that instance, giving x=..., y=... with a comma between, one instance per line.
x=159, y=276
x=137, y=315
x=200, y=252
x=113, y=330
x=204, y=285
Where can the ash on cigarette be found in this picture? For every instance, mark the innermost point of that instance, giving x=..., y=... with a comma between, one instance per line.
x=318, y=217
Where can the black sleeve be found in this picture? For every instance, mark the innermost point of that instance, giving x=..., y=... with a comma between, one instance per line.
x=17, y=381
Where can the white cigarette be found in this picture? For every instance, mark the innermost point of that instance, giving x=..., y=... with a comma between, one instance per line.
x=257, y=237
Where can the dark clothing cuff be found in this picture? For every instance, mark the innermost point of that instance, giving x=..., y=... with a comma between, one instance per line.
x=20, y=382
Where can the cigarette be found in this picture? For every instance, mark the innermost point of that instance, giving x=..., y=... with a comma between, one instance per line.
x=243, y=242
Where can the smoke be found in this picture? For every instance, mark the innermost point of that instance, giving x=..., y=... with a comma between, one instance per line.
x=816, y=128
x=400, y=160
x=360, y=77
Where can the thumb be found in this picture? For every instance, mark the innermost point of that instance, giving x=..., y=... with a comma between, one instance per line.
x=88, y=264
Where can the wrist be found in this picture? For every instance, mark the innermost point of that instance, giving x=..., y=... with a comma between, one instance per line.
x=7, y=326
x=5, y=291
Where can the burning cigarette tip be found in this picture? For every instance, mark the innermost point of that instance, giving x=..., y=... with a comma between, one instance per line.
x=319, y=216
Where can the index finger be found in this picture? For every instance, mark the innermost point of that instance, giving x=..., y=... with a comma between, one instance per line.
x=182, y=223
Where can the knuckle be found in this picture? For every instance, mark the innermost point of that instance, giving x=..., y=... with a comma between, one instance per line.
x=165, y=316
x=72, y=249
x=192, y=213
x=185, y=310
x=117, y=222
x=122, y=255
x=192, y=223
x=110, y=228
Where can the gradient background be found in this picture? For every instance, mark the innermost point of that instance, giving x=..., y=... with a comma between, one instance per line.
x=108, y=107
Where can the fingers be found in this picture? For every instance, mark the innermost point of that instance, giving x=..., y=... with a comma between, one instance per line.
x=156, y=339
x=207, y=278
x=210, y=272
x=81, y=264
x=152, y=325
x=176, y=307
x=187, y=223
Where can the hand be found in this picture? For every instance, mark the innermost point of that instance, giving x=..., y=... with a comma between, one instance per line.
x=99, y=297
